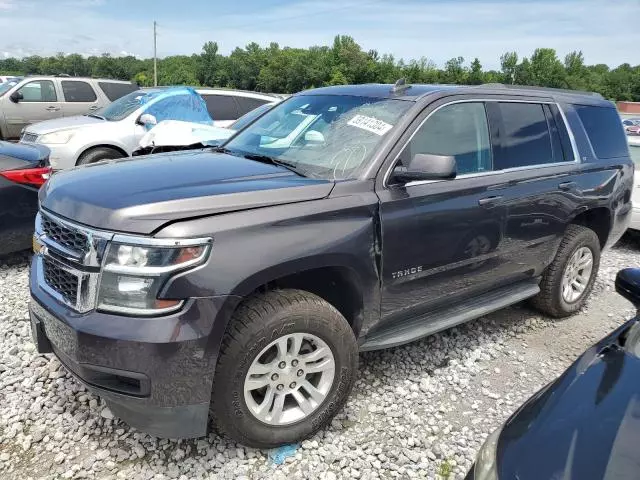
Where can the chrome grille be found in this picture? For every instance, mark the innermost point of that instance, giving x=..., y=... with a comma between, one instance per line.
x=29, y=137
x=63, y=282
x=69, y=238
x=69, y=260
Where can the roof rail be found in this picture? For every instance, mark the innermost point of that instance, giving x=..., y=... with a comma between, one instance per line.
x=542, y=89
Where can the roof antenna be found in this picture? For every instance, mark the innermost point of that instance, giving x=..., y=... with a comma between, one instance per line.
x=400, y=85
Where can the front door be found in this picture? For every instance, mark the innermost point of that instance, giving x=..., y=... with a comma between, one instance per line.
x=40, y=101
x=442, y=241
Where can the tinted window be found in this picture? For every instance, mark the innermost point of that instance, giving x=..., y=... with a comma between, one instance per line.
x=75, y=91
x=602, y=124
x=39, y=91
x=459, y=130
x=565, y=141
x=247, y=118
x=221, y=107
x=525, y=137
x=114, y=91
x=246, y=104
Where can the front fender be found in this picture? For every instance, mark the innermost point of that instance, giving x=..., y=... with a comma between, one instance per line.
x=255, y=247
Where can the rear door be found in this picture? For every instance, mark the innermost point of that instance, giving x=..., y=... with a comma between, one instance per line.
x=223, y=109
x=79, y=97
x=41, y=100
x=536, y=159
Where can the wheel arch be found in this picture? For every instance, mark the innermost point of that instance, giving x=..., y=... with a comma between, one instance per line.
x=338, y=284
x=111, y=146
x=598, y=219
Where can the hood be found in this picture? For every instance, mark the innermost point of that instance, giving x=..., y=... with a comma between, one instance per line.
x=176, y=133
x=64, y=123
x=141, y=194
x=26, y=152
x=584, y=425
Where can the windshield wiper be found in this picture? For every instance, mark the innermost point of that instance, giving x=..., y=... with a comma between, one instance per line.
x=274, y=161
x=261, y=158
x=94, y=116
x=222, y=150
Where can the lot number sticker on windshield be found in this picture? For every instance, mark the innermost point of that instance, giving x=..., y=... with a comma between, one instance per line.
x=370, y=124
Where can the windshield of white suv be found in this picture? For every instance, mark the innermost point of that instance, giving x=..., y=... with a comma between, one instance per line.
x=322, y=136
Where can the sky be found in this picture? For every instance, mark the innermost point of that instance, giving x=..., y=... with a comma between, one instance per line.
x=607, y=31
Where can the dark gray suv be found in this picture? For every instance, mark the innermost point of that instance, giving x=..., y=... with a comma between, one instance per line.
x=239, y=284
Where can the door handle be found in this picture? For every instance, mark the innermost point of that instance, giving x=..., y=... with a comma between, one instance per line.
x=490, y=201
x=52, y=109
x=566, y=186
x=93, y=107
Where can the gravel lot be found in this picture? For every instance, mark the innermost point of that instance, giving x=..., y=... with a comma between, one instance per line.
x=417, y=411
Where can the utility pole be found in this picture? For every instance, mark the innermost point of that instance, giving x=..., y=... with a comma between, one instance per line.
x=155, y=55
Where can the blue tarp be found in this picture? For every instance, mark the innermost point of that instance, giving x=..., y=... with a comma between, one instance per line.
x=176, y=103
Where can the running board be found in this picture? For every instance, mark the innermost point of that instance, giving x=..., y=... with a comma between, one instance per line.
x=447, y=317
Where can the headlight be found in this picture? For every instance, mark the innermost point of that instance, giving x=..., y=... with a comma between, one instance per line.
x=56, y=137
x=486, y=468
x=134, y=274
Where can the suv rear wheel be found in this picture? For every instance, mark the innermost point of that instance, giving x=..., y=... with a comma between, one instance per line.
x=567, y=282
x=287, y=364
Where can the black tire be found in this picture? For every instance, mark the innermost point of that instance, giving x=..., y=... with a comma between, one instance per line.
x=550, y=299
x=96, y=154
x=256, y=323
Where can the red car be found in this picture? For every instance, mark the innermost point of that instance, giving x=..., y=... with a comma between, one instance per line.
x=632, y=130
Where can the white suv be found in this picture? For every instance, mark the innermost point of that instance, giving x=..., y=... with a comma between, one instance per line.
x=116, y=130
x=38, y=98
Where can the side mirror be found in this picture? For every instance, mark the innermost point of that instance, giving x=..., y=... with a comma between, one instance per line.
x=313, y=136
x=147, y=120
x=16, y=96
x=628, y=285
x=427, y=166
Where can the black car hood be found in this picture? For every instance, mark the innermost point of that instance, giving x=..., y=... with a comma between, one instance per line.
x=584, y=426
x=140, y=195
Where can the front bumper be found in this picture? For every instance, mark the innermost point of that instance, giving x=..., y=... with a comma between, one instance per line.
x=62, y=156
x=155, y=374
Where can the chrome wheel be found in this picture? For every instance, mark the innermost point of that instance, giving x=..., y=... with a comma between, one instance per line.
x=289, y=379
x=577, y=274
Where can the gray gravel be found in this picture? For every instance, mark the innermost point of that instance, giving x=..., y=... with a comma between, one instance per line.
x=417, y=411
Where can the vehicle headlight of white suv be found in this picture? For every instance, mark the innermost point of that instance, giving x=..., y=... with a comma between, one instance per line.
x=60, y=137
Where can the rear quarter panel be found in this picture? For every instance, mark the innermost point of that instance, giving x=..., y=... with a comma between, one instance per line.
x=606, y=183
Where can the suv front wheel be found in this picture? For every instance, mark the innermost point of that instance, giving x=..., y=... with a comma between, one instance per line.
x=568, y=281
x=287, y=364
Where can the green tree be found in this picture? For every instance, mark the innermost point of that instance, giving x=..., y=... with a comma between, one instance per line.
x=546, y=69
x=509, y=65
x=287, y=70
x=476, y=77
x=454, y=72
x=208, y=65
